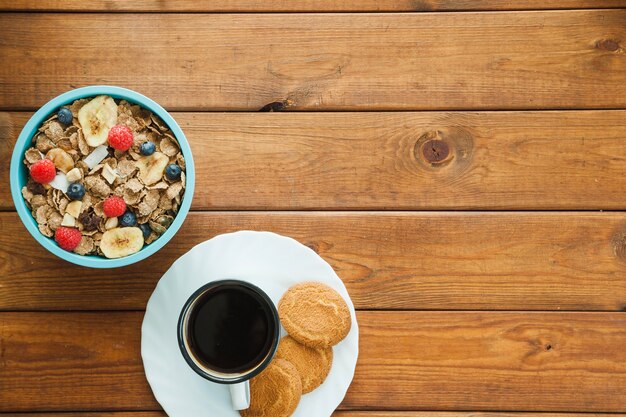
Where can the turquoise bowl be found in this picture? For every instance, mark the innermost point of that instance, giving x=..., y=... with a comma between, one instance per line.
x=19, y=174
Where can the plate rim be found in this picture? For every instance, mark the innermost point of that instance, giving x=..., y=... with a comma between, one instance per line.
x=150, y=305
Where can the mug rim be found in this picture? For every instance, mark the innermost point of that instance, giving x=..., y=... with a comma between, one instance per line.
x=182, y=321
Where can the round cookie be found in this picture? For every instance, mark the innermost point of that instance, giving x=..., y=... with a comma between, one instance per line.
x=275, y=392
x=315, y=315
x=313, y=365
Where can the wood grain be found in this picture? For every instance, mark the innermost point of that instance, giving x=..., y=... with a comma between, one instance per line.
x=498, y=160
x=426, y=261
x=101, y=414
x=508, y=60
x=335, y=414
x=86, y=361
x=491, y=361
x=301, y=5
x=460, y=361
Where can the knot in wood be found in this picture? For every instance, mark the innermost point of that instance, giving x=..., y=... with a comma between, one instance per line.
x=619, y=245
x=277, y=106
x=610, y=45
x=435, y=151
x=446, y=150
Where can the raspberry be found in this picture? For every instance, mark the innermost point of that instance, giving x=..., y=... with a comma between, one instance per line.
x=43, y=171
x=114, y=206
x=120, y=137
x=68, y=238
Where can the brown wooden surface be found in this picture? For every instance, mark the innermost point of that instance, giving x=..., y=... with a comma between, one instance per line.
x=500, y=160
x=508, y=60
x=490, y=261
x=302, y=5
x=335, y=414
x=463, y=360
x=521, y=312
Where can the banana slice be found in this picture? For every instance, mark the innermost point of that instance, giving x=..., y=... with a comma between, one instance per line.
x=61, y=159
x=121, y=241
x=96, y=118
x=151, y=167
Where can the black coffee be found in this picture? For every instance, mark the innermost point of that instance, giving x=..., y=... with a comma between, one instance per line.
x=230, y=329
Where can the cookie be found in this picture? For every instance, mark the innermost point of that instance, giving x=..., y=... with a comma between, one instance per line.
x=315, y=315
x=313, y=365
x=275, y=392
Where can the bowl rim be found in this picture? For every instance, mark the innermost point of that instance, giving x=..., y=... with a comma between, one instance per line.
x=26, y=135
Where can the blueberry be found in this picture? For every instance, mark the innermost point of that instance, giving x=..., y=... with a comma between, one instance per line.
x=128, y=219
x=147, y=148
x=146, y=230
x=172, y=172
x=65, y=116
x=76, y=191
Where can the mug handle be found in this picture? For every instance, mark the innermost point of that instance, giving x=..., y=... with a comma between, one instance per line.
x=240, y=395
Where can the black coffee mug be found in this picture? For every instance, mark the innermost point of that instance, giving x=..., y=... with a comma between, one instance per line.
x=228, y=332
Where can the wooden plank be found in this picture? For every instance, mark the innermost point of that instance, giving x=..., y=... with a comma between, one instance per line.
x=72, y=362
x=10, y=126
x=426, y=261
x=302, y=5
x=335, y=414
x=508, y=60
x=491, y=361
x=448, y=414
x=498, y=160
x=102, y=414
x=445, y=361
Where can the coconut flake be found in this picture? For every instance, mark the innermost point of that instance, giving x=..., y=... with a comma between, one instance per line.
x=68, y=220
x=97, y=156
x=109, y=173
x=60, y=182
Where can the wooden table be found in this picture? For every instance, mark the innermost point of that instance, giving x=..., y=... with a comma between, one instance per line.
x=460, y=163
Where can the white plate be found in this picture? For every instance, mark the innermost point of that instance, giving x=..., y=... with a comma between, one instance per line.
x=273, y=263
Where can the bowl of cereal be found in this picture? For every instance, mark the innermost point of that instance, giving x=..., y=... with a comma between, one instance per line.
x=102, y=176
